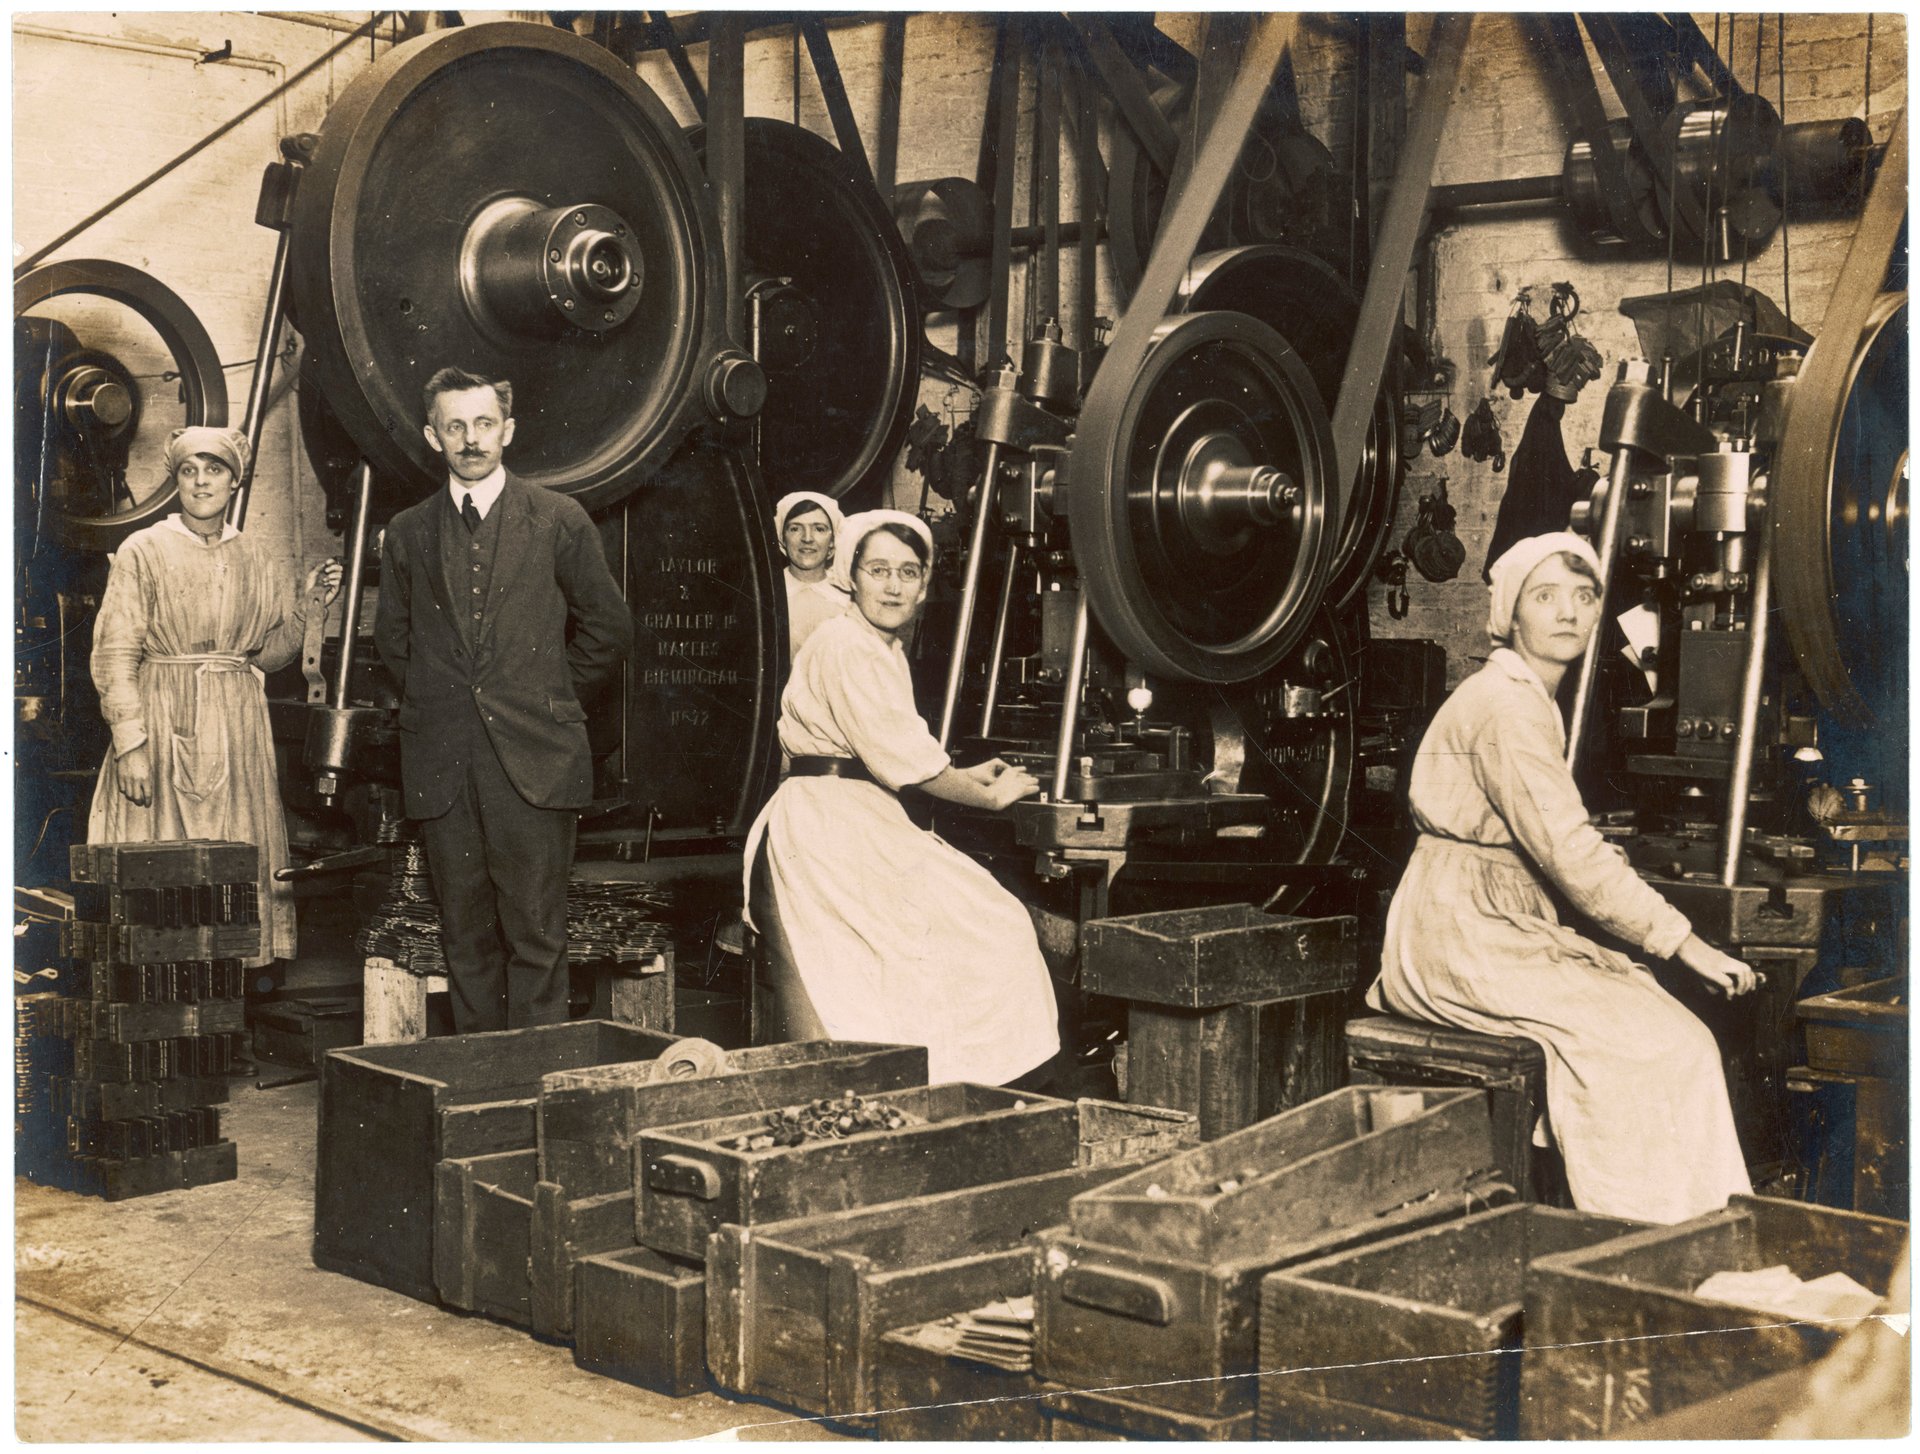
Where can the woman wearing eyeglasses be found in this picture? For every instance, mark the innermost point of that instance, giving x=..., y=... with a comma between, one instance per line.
x=890, y=934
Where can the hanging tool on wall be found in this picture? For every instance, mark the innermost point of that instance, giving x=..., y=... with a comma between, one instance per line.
x=1436, y=552
x=1480, y=439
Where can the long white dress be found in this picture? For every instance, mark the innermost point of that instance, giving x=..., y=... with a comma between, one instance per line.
x=1635, y=1092
x=186, y=627
x=897, y=936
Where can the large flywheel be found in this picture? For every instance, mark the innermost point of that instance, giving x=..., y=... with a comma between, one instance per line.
x=1310, y=305
x=1199, y=501
x=77, y=407
x=1841, y=543
x=511, y=200
x=832, y=309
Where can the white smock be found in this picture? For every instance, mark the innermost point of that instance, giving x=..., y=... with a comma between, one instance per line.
x=1636, y=1096
x=898, y=937
x=809, y=604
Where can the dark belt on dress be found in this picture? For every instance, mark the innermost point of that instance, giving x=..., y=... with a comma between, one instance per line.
x=847, y=767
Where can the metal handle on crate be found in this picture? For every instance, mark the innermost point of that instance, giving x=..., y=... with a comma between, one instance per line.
x=685, y=1176
x=1128, y=1294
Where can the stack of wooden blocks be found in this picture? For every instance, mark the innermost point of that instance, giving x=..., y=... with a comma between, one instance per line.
x=125, y=1075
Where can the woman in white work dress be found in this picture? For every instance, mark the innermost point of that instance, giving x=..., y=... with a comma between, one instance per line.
x=1636, y=1097
x=895, y=936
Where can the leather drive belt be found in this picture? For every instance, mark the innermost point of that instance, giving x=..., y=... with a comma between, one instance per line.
x=846, y=767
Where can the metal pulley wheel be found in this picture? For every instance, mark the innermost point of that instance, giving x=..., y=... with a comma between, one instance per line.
x=509, y=199
x=1840, y=559
x=947, y=226
x=1284, y=188
x=1198, y=501
x=1309, y=304
x=831, y=314
x=76, y=409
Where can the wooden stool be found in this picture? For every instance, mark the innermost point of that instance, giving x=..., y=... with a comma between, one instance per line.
x=394, y=1004
x=1389, y=1050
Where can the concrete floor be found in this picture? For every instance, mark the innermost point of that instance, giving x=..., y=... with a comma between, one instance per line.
x=199, y=1315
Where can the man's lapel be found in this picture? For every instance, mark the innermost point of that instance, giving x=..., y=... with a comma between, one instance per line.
x=510, y=547
x=438, y=513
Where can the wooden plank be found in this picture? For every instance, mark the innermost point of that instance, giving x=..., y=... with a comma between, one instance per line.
x=1083, y=1415
x=927, y=1394
x=482, y=1228
x=394, y=1002
x=564, y=1231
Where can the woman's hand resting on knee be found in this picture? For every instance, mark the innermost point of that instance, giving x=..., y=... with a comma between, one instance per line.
x=1723, y=973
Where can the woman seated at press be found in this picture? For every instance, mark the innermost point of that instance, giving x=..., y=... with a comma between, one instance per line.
x=890, y=934
x=193, y=615
x=806, y=524
x=1636, y=1097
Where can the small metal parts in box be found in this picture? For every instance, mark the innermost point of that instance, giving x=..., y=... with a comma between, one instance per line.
x=831, y=1118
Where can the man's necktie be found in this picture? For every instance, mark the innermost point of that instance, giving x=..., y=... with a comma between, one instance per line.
x=469, y=514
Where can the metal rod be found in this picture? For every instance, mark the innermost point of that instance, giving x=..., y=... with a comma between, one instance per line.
x=356, y=578
x=999, y=651
x=727, y=155
x=1070, y=703
x=969, y=594
x=833, y=90
x=1740, y=781
x=253, y=422
x=660, y=28
x=32, y=259
x=1005, y=121
x=1617, y=478
x=1491, y=193
x=893, y=67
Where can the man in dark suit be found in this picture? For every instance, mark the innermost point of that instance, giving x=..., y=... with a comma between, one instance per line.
x=497, y=617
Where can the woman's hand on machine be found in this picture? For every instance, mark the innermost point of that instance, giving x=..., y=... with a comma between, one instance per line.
x=1722, y=972
x=1005, y=784
x=328, y=573
x=134, y=768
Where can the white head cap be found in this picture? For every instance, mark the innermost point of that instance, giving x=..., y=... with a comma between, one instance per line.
x=1510, y=574
x=857, y=528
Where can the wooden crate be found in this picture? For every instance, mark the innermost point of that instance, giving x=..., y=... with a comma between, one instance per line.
x=1859, y=1035
x=797, y=1308
x=1860, y=1031
x=687, y=1184
x=1615, y=1335
x=483, y=1218
x=643, y=1319
x=1236, y=1064
x=1287, y=1179
x=1106, y=1417
x=1223, y=954
x=1162, y=1287
x=1414, y=1335
x=589, y=1119
x=1512, y=1070
x=588, y=1122
x=389, y=1114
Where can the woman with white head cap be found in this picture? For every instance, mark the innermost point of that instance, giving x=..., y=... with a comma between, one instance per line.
x=806, y=525
x=878, y=930
x=1636, y=1097
x=194, y=613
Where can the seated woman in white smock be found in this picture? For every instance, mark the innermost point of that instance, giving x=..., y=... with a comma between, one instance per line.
x=1636, y=1097
x=895, y=936
x=806, y=525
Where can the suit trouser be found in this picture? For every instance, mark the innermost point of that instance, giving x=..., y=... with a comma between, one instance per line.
x=500, y=867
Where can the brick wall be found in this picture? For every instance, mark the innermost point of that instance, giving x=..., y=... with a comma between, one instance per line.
x=112, y=95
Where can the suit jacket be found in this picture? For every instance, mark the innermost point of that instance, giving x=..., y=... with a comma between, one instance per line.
x=527, y=674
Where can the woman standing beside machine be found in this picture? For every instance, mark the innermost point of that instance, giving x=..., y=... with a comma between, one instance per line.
x=1636, y=1096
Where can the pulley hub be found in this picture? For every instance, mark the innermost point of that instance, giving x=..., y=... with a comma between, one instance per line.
x=1222, y=496
x=91, y=398
x=528, y=269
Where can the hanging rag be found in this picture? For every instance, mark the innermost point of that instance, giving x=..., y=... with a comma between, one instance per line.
x=1542, y=487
